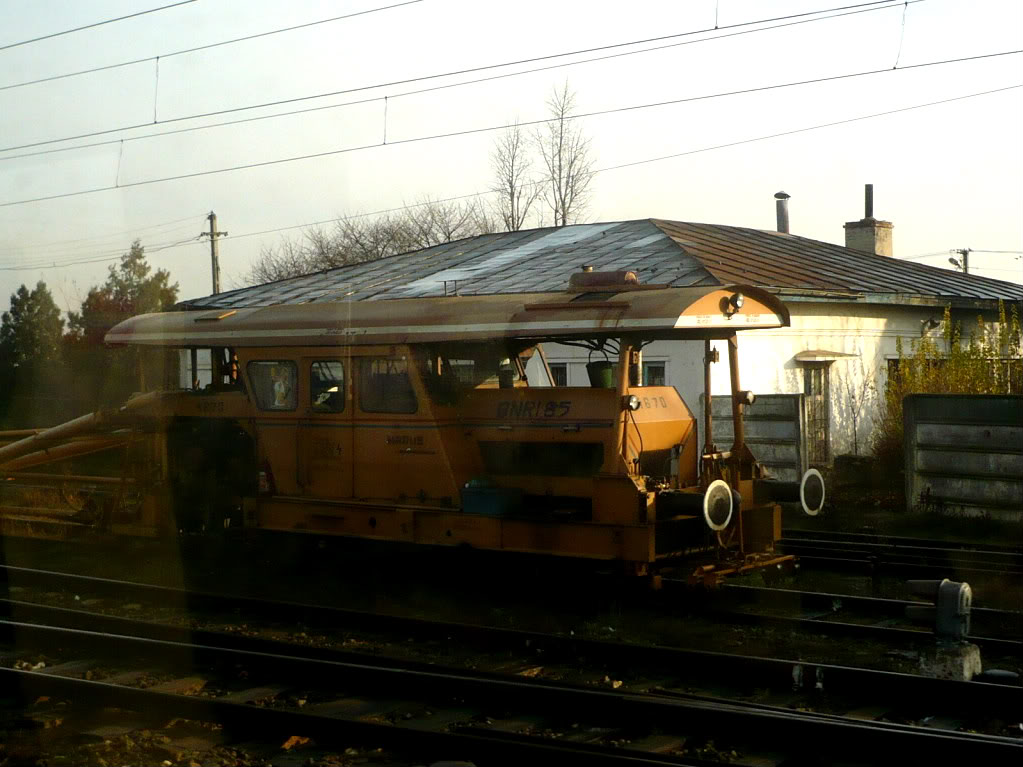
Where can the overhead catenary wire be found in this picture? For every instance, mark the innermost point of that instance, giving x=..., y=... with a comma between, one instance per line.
x=503, y=126
x=424, y=78
x=455, y=198
x=648, y=160
x=93, y=25
x=194, y=49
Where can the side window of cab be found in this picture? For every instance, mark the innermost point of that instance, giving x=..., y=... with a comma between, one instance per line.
x=275, y=384
x=327, y=386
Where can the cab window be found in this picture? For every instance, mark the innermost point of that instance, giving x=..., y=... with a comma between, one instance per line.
x=385, y=386
x=274, y=382
x=327, y=386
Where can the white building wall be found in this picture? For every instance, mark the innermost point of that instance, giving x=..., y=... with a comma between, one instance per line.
x=767, y=364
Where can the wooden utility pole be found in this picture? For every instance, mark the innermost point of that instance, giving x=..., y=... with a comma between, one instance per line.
x=213, y=234
x=965, y=253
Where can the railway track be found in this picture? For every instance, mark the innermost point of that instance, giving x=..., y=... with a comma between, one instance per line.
x=835, y=615
x=911, y=557
x=497, y=718
x=897, y=540
x=858, y=617
x=232, y=613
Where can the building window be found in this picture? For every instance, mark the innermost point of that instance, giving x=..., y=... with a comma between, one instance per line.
x=559, y=373
x=274, y=384
x=653, y=374
x=327, y=386
x=385, y=386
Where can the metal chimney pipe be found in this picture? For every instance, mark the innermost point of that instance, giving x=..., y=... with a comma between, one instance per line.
x=868, y=201
x=782, y=209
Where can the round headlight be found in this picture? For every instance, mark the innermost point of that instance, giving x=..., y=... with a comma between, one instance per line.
x=632, y=402
x=736, y=300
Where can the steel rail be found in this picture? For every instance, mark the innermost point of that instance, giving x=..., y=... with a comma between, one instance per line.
x=374, y=621
x=532, y=695
x=787, y=598
x=857, y=630
x=1007, y=624
x=896, y=540
x=878, y=561
x=951, y=557
x=716, y=666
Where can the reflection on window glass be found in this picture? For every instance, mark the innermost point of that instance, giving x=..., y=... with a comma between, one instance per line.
x=653, y=374
x=559, y=372
x=327, y=386
x=274, y=384
x=384, y=386
x=463, y=370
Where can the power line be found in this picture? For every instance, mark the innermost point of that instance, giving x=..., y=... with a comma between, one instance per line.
x=423, y=78
x=107, y=249
x=473, y=131
x=814, y=127
x=42, y=264
x=456, y=198
x=641, y=162
x=94, y=24
x=113, y=255
x=194, y=49
x=133, y=231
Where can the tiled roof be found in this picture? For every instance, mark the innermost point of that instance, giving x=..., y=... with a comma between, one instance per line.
x=773, y=260
x=671, y=253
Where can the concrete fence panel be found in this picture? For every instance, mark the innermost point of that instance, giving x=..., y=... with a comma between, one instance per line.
x=964, y=453
x=775, y=431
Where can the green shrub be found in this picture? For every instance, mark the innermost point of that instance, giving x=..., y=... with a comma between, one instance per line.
x=988, y=363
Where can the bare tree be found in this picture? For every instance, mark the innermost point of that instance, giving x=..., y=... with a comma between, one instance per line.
x=353, y=239
x=513, y=182
x=287, y=259
x=432, y=222
x=566, y=155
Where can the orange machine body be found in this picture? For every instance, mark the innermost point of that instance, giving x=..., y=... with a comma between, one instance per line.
x=414, y=421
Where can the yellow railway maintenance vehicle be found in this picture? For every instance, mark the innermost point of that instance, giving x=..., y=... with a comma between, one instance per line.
x=412, y=420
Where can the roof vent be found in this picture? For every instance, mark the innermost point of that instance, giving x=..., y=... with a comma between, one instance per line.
x=591, y=279
x=781, y=207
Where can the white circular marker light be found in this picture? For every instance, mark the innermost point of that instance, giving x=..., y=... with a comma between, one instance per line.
x=717, y=505
x=812, y=492
x=632, y=402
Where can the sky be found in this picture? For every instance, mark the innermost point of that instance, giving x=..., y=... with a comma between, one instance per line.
x=83, y=171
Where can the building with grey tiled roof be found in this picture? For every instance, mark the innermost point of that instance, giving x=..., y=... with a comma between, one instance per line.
x=673, y=253
x=848, y=306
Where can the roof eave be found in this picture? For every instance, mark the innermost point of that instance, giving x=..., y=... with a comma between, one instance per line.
x=801, y=295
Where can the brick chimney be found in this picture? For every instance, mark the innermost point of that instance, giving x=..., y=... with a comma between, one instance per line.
x=869, y=234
